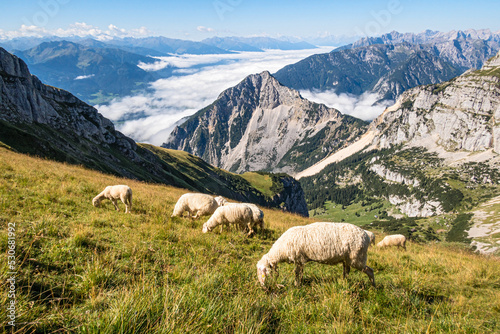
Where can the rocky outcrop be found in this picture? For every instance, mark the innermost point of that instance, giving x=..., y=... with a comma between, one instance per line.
x=262, y=125
x=415, y=208
x=392, y=176
x=461, y=114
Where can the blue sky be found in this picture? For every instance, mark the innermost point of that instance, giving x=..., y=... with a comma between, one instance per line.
x=200, y=19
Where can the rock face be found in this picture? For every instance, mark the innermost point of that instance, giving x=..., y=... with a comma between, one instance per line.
x=461, y=114
x=262, y=125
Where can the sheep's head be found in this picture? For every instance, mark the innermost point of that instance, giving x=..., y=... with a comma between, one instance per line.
x=96, y=202
x=220, y=200
x=205, y=228
x=263, y=270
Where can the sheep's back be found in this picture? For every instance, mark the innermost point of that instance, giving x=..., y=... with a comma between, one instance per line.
x=329, y=243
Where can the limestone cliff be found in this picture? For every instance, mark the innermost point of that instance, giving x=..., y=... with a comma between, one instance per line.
x=459, y=115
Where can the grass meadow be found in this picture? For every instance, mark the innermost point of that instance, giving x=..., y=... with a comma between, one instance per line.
x=82, y=269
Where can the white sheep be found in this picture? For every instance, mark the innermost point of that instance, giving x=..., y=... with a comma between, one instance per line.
x=220, y=200
x=113, y=193
x=371, y=235
x=238, y=214
x=398, y=240
x=196, y=204
x=257, y=214
x=328, y=243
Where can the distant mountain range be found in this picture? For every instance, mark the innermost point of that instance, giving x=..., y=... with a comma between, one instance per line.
x=256, y=44
x=392, y=63
x=94, y=74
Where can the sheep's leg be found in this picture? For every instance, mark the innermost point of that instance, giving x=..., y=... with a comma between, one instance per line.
x=369, y=271
x=299, y=271
x=346, y=270
x=115, y=204
x=250, y=230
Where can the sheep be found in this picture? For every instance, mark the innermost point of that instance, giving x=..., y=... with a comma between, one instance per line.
x=238, y=214
x=113, y=193
x=371, y=235
x=257, y=214
x=220, y=200
x=328, y=243
x=398, y=240
x=195, y=203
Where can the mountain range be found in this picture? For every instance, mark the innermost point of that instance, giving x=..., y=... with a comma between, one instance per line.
x=392, y=63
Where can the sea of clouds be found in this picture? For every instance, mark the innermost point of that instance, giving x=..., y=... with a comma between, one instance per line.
x=197, y=82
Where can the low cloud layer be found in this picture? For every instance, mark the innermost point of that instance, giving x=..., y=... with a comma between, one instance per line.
x=365, y=106
x=197, y=83
x=80, y=29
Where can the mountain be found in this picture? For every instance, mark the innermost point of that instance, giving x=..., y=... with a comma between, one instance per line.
x=385, y=69
x=94, y=75
x=392, y=63
x=49, y=122
x=260, y=124
x=256, y=44
x=168, y=45
x=459, y=115
x=467, y=49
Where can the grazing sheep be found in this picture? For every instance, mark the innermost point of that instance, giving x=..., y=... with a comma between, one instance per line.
x=113, y=193
x=371, y=235
x=328, y=243
x=195, y=203
x=257, y=214
x=238, y=214
x=220, y=200
x=398, y=240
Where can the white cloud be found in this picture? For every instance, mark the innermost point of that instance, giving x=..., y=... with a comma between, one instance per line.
x=205, y=29
x=365, y=106
x=80, y=29
x=81, y=77
x=202, y=78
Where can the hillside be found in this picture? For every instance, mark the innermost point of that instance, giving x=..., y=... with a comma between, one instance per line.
x=49, y=122
x=260, y=124
x=82, y=269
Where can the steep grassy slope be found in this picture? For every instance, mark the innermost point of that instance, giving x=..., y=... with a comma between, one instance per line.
x=94, y=270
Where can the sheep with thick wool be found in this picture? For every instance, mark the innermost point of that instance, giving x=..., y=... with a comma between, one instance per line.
x=115, y=193
x=196, y=204
x=398, y=240
x=237, y=214
x=371, y=235
x=257, y=214
x=328, y=243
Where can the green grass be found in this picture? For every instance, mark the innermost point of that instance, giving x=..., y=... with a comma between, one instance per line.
x=94, y=270
x=355, y=213
x=261, y=182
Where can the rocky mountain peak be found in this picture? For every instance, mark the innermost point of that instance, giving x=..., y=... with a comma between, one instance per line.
x=260, y=124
